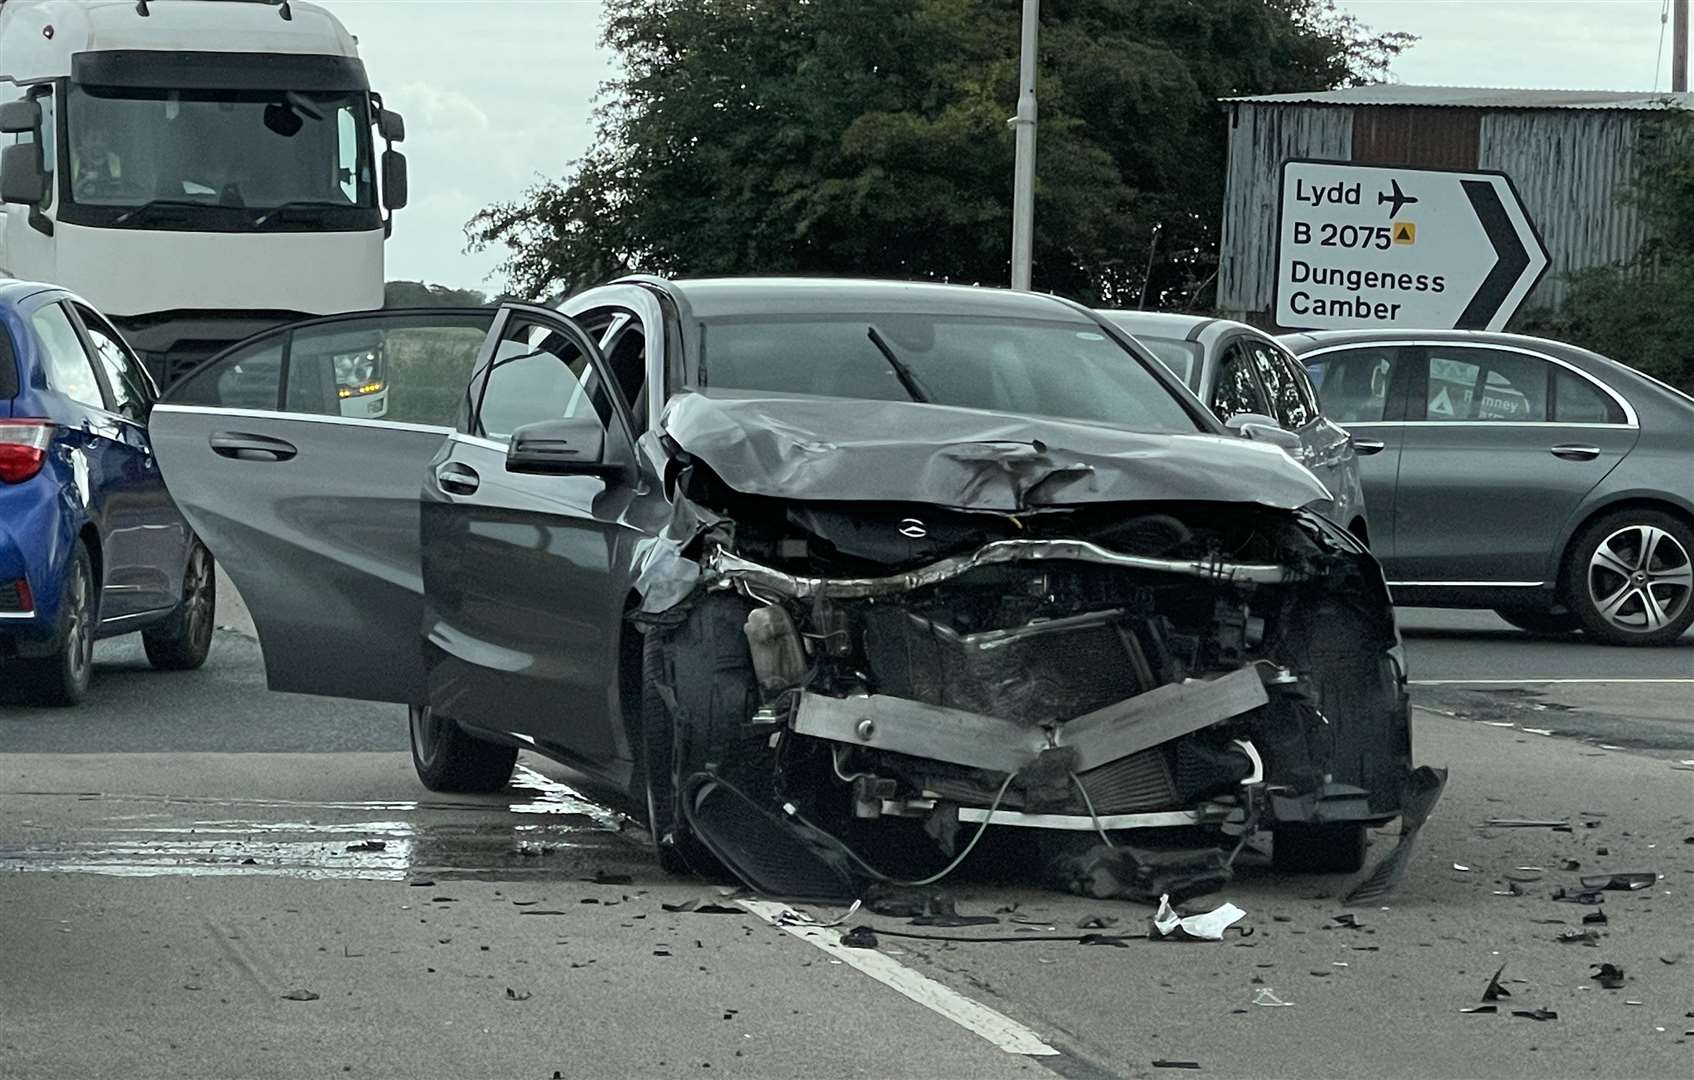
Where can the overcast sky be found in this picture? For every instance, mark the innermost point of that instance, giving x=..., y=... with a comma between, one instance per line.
x=499, y=92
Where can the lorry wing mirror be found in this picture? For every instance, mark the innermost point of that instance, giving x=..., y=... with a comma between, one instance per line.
x=391, y=126
x=22, y=179
x=20, y=117
x=393, y=179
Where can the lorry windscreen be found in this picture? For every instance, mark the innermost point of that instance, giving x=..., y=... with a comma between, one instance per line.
x=217, y=160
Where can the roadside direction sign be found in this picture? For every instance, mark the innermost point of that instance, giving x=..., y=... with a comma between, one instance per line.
x=1363, y=246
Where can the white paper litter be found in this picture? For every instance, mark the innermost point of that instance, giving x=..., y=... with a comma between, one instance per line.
x=1205, y=927
x=1267, y=997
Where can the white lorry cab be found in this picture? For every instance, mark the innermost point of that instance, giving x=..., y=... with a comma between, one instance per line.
x=200, y=170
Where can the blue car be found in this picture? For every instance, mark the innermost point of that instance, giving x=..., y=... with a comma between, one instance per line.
x=91, y=545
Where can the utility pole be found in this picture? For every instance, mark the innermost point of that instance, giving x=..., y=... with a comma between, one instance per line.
x=1023, y=171
x=1679, y=47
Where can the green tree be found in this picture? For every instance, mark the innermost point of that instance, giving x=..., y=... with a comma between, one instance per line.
x=1640, y=311
x=416, y=294
x=870, y=137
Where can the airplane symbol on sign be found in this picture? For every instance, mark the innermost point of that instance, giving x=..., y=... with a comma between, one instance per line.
x=1400, y=199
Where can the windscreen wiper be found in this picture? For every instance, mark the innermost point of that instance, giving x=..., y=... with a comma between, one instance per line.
x=298, y=204
x=147, y=209
x=909, y=381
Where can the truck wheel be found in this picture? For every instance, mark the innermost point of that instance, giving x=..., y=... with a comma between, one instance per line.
x=1630, y=578
x=182, y=642
x=698, y=693
x=1542, y=621
x=1318, y=849
x=449, y=760
x=62, y=678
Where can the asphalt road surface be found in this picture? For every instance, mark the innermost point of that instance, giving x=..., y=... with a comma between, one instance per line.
x=186, y=857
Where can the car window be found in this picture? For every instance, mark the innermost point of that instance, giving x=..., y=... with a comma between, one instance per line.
x=1578, y=401
x=69, y=370
x=248, y=378
x=1182, y=357
x=1236, y=392
x=1353, y=385
x=1290, y=396
x=409, y=369
x=537, y=373
x=1068, y=369
x=1468, y=384
x=131, y=388
x=626, y=357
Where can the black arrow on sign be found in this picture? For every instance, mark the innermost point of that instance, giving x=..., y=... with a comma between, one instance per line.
x=1511, y=257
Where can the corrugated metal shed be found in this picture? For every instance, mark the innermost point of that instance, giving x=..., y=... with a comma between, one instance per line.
x=1570, y=153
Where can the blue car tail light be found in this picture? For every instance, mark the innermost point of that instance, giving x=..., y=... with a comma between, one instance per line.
x=15, y=597
x=23, y=448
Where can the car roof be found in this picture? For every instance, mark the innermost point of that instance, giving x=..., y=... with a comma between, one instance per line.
x=1312, y=339
x=13, y=290
x=709, y=298
x=1161, y=324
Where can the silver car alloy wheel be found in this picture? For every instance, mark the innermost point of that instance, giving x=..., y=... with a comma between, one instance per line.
x=426, y=733
x=1640, y=578
x=79, y=632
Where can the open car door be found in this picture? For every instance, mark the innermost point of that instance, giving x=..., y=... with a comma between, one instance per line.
x=298, y=457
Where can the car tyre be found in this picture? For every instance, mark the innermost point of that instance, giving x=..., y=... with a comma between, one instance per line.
x=1540, y=621
x=62, y=678
x=1319, y=849
x=1630, y=578
x=449, y=760
x=182, y=642
x=698, y=691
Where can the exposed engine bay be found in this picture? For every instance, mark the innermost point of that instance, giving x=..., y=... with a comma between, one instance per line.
x=860, y=689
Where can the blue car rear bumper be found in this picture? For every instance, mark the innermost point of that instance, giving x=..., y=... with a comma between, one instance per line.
x=36, y=536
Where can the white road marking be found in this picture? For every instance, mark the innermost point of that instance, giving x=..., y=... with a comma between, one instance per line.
x=996, y=1027
x=1545, y=682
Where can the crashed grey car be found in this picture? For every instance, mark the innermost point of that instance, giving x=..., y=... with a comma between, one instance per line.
x=825, y=577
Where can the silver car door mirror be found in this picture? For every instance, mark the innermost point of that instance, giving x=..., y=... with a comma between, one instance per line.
x=1261, y=428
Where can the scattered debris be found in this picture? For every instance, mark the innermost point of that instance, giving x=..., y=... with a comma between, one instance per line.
x=1580, y=896
x=1208, y=926
x=1526, y=873
x=940, y=911
x=704, y=907
x=541, y=911
x=518, y=995
x=421, y=883
x=606, y=877
x=1346, y=921
x=1511, y=889
x=1494, y=991
x=1619, y=882
x=1267, y=997
x=1461, y=868
x=860, y=937
x=368, y=845
x=1609, y=976
x=1114, y=940
x=1536, y=1014
x=1475, y=1009
x=1570, y=864
x=299, y=995
x=1162, y=1063
x=1579, y=937
x=1096, y=922
x=1527, y=823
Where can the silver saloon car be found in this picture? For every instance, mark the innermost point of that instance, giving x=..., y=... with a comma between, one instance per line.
x=1528, y=476
x=1257, y=389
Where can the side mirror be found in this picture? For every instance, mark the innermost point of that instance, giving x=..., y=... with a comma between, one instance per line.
x=570, y=447
x=393, y=179
x=391, y=126
x=20, y=117
x=22, y=178
x=1261, y=428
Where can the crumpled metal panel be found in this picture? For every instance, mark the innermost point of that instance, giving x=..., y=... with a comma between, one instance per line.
x=870, y=451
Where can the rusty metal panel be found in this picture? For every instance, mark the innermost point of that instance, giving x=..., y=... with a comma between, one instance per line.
x=1407, y=135
x=1569, y=167
x=1261, y=138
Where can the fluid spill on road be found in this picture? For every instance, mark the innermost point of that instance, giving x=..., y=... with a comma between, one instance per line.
x=370, y=840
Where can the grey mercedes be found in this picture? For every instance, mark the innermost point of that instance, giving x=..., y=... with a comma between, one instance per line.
x=1542, y=480
x=824, y=578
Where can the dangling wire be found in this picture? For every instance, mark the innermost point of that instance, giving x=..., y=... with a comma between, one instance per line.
x=1659, y=56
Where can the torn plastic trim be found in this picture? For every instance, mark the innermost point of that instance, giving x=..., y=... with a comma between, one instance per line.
x=726, y=566
x=902, y=726
x=1164, y=819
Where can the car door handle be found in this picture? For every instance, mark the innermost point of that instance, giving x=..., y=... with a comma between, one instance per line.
x=1367, y=447
x=1573, y=452
x=244, y=447
x=457, y=479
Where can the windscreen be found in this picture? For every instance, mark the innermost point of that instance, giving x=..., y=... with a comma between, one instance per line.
x=1068, y=370
x=227, y=159
x=1182, y=357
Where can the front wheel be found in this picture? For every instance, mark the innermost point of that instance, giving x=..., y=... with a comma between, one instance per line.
x=449, y=760
x=182, y=642
x=1630, y=579
x=1318, y=849
x=1540, y=621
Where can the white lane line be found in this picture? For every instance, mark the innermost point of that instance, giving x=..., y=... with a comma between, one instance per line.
x=996, y=1027
x=1545, y=682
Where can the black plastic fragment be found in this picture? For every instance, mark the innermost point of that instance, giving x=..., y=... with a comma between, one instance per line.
x=1097, y=922
x=1116, y=941
x=1423, y=790
x=1578, y=896
x=1479, y=1009
x=1125, y=873
x=1494, y=991
x=1536, y=1014
x=1595, y=918
x=772, y=853
x=860, y=937
x=606, y=877
x=1629, y=882
x=1579, y=937
x=1163, y=1063
x=941, y=911
x=1609, y=976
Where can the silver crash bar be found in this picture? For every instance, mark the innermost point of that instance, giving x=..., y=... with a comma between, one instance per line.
x=729, y=567
x=937, y=733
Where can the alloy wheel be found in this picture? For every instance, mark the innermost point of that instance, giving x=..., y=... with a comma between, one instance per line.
x=196, y=590
x=426, y=733
x=1640, y=579
x=79, y=631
